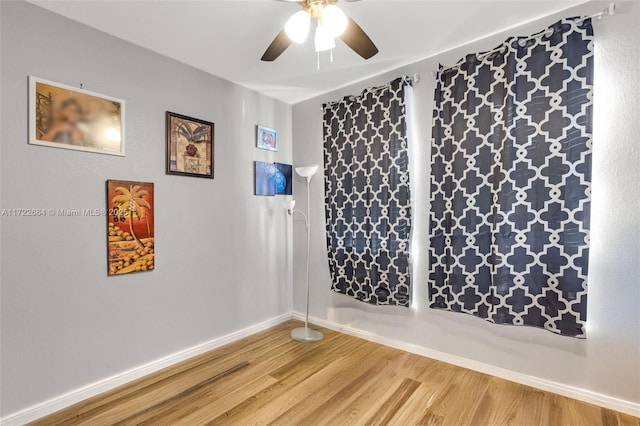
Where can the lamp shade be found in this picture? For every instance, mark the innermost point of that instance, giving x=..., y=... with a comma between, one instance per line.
x=308, y=171
x=334, y=21
x=323, y=40
x=297, y=27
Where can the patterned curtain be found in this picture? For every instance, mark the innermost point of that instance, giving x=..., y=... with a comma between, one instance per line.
x=367, y=196
x=511, y=180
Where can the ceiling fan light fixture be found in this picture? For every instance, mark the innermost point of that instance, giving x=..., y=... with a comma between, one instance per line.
x=324, y=40
x=297, y=27
x=332, y=24
x=334, y=20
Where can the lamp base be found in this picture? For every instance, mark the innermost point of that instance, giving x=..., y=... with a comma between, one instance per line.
x=306, y=335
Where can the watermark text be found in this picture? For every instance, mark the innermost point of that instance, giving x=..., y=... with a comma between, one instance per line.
x=51, y=212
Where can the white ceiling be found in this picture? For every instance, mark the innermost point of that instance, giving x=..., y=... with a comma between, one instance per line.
x=227, y=37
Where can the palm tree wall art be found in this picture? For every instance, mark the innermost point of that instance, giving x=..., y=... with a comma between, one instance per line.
x=130, y=227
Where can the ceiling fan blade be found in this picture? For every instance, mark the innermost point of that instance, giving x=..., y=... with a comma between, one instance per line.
x=277, y=46
x=359, y=41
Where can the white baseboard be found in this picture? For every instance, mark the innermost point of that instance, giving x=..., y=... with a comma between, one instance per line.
x=63, y=401
x=621, y=405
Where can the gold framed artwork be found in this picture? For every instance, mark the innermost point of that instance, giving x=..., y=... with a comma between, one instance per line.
x=62, y=116
x=189, y=146
x=130, y=227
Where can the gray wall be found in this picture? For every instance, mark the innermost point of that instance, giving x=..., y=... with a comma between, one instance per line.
x=221, y=252
x=607, y=362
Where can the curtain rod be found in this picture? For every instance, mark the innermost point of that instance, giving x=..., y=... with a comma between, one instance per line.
x=414, y=79
x=384, y=86
x=610, y=10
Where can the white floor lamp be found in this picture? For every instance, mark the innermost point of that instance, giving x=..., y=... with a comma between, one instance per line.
x=305, y=334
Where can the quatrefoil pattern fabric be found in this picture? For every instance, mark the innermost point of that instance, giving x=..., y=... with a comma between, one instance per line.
x=367, y=196
x=511, y=182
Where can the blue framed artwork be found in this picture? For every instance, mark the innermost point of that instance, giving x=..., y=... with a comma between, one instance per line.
x=283, y=177
x=267, y=138
x=265, y=183
x=273, y=179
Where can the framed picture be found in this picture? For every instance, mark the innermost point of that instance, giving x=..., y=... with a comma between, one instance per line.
x=130, y=227
x=267, y=138
x=62, y=116
x=273, y=179
x=189, y=146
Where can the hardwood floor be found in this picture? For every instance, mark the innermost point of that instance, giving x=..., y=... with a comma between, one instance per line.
x=269, y=379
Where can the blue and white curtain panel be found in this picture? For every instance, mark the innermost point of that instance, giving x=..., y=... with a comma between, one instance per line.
x=367, y=195
x=511, y=181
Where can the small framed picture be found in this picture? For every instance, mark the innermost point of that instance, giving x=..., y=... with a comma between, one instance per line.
x=62, y=116
x=267, y=138
x=189, y=146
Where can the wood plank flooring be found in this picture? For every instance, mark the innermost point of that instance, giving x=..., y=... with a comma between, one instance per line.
x=269, y=379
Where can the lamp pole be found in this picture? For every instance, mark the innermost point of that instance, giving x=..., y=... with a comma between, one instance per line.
x=306, y=317
x=305, y=334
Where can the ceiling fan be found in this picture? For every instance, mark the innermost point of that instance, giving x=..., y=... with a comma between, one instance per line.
x=332, y=24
